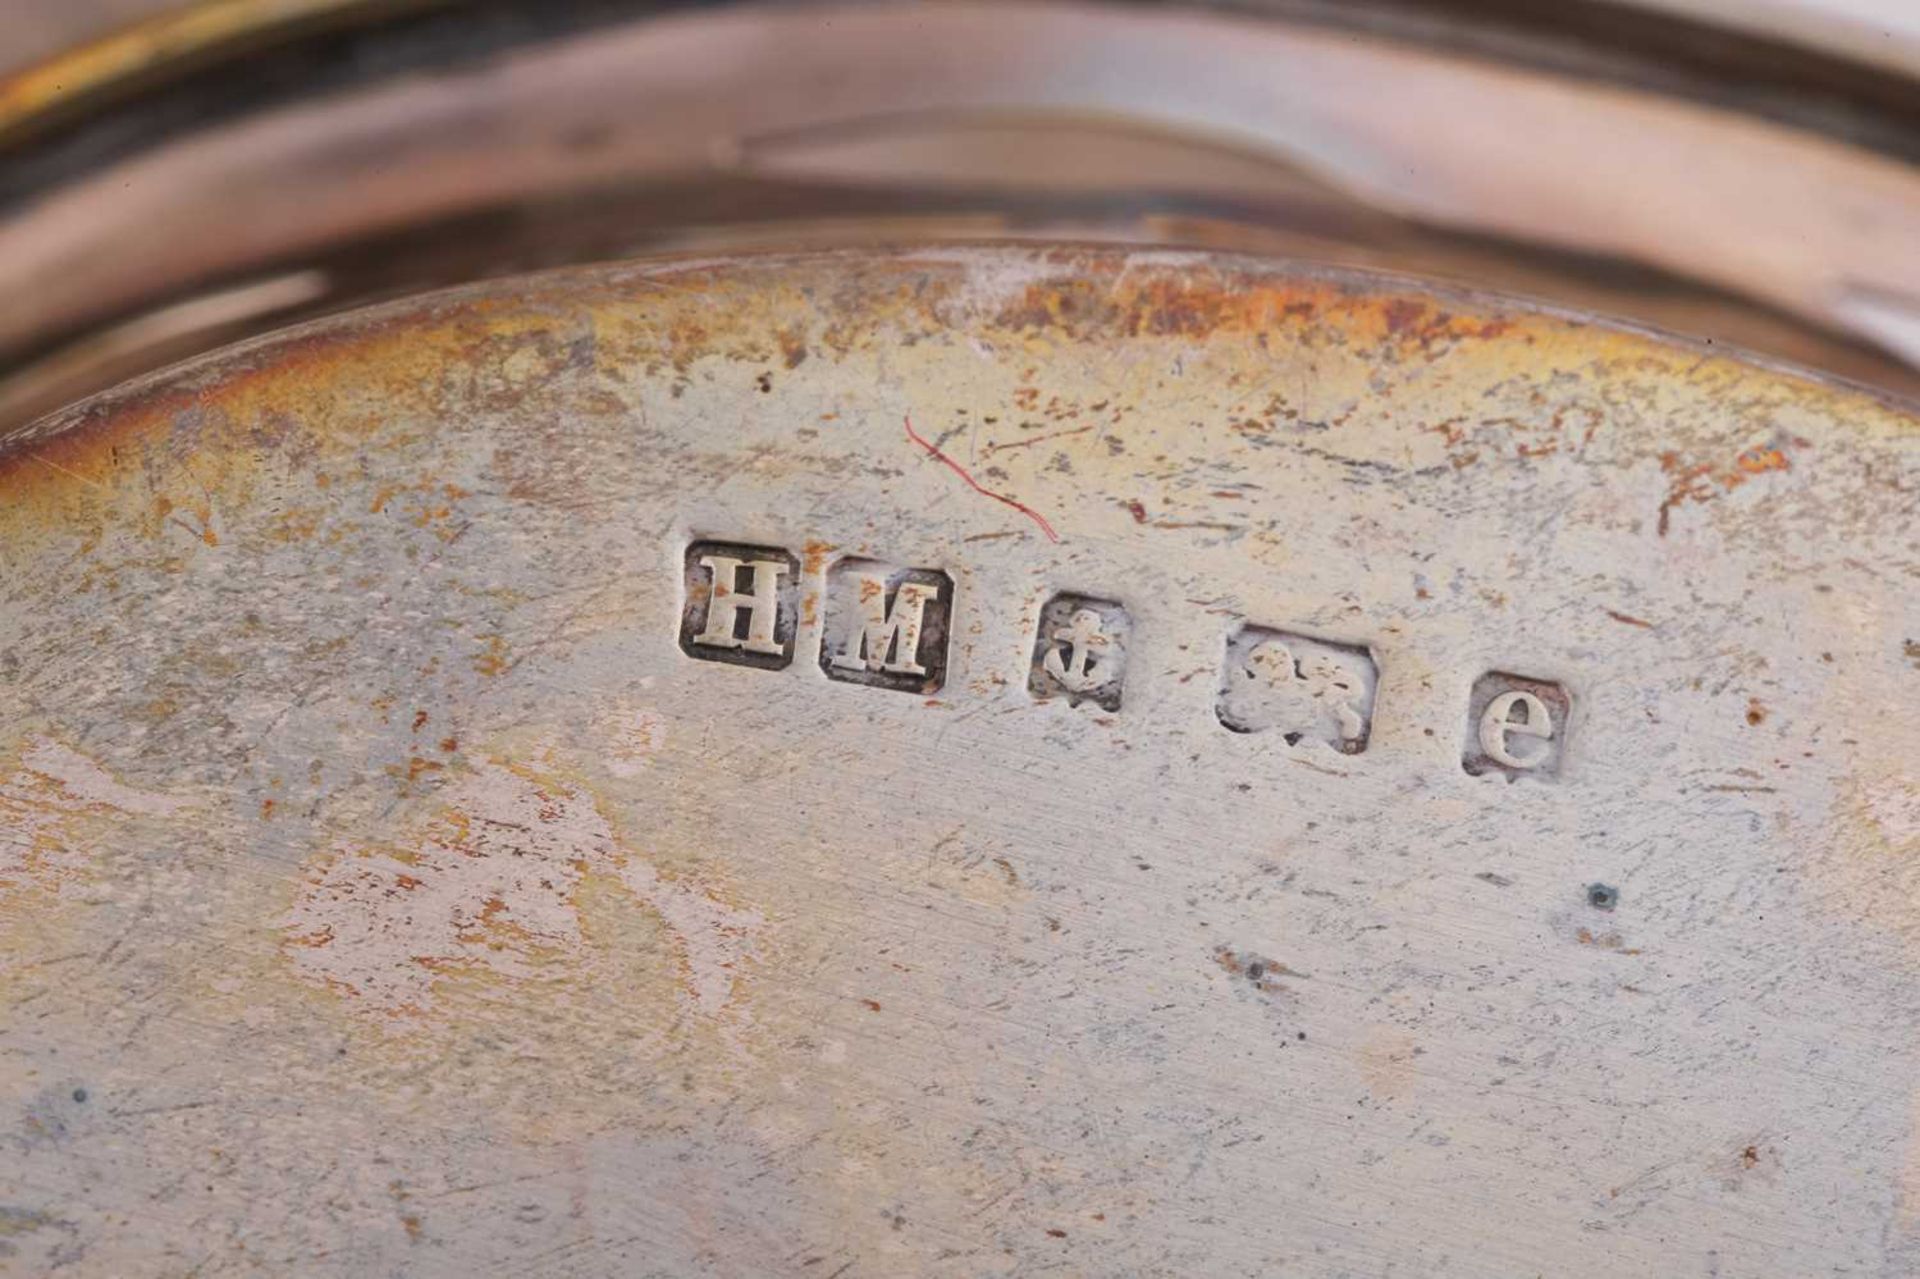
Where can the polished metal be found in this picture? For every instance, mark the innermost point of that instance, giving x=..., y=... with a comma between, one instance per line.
x=240, y=164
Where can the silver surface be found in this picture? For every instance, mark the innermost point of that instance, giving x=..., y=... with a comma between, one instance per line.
x=385, y=888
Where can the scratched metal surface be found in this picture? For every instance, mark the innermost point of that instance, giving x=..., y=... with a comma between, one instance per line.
x=384, y=889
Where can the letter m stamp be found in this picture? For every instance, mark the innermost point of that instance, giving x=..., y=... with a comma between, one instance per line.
x=887, y=626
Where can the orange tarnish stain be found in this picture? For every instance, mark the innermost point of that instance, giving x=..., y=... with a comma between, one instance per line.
x=266, y=810
x=873, y=1005
x=1760, y=461
x=409, y=1221
x=1110, y=302
x=164, y=509
x=1606, y=941
x=974, y=484
x=449, y=744
x=494, y=660
x=1401, y=313
x=1703, y=481
x=417, y=766
x=1629, y=619
x=793, y=348
x=813, y=555
x=1135, y=509
x=1756, y=712
x=433, y=505
x=1686, y=486
x=419, y=720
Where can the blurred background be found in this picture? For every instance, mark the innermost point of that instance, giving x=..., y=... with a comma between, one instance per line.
x=176, y=176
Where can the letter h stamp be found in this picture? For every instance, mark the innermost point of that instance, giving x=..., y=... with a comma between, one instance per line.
x=742, y=604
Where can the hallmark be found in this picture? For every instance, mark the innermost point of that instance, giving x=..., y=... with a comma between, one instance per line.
x=1308, y=690
x=1516, y=726
x=742, y=604
x=889, y=625
x=886, y=625
x=1080, y=652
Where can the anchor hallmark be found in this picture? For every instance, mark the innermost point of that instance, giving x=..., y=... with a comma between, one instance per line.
x=1081, y=651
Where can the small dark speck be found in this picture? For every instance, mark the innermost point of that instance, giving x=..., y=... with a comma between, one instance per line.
x=1256, y=970
x=79, y=1094
x=764, y=382
x=1602, y=896
x=1302, y=1035
x=594, y=137
x=1057, y=1233
x=1497, y=880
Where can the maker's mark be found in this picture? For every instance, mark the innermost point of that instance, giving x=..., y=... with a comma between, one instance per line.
x=742, y=604
x=886, y=625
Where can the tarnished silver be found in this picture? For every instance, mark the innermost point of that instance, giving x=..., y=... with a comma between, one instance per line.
x=233, y=165
x=583, y=776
